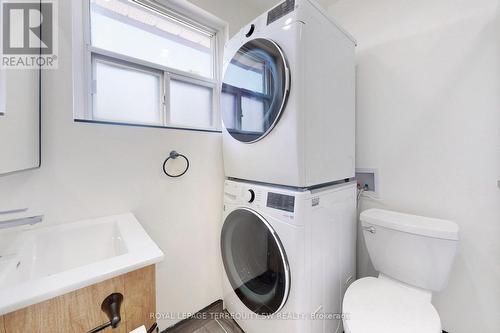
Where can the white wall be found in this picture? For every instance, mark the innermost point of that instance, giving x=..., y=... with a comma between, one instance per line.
x=235, y=13
x=428, y=115
x=96, y=170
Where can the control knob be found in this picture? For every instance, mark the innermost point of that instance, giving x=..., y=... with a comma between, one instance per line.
x=249, y=196
x=250, y=30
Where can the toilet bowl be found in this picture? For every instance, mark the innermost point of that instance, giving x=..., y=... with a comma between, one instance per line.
x=413, y=256
x=379, y=305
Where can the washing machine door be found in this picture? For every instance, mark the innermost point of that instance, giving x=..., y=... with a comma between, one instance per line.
x=255, y=89
x=255, y=262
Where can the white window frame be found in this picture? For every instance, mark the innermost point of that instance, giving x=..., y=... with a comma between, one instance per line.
x=185, y=11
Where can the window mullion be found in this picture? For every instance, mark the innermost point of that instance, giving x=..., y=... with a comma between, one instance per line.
x=215, y=109
x=166, y=98
x=217, y=48
x=88, y=65
x=92, y=86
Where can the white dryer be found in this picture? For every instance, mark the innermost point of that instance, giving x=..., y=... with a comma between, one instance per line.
x=288, y=256
x=288, y=98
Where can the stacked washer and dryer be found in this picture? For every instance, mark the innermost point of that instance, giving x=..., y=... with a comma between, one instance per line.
x=288, y=239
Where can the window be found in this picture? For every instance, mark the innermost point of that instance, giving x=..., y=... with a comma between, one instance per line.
x=149, y=65
x=254, y=90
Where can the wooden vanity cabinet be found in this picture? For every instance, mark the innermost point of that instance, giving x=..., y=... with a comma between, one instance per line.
x=80, y=311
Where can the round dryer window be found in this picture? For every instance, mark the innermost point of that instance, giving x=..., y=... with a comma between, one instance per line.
x=254, y=90
x=255, y=262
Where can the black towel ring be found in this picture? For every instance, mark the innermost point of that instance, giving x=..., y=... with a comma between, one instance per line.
x=173, y=155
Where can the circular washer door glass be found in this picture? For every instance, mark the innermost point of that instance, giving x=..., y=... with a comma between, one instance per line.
x=255, y=262
x=254, y=90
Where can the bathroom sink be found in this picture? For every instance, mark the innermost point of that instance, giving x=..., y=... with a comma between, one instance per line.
x=42, y=263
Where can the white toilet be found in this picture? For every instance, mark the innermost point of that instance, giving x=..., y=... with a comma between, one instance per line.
x=413, y=256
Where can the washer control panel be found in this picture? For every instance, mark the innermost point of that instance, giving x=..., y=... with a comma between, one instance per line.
x=273, y=201
x=281, y=201
x=243, y=194
x=258, y=197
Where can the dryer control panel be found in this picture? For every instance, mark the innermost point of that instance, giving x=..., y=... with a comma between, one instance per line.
x=280, y=10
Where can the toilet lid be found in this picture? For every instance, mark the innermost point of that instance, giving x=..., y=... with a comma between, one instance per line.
x=374, y=305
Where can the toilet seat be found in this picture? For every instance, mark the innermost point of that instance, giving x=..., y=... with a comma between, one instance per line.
x=380, y=305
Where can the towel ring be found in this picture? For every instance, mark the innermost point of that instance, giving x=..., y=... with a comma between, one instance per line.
x=174, y=155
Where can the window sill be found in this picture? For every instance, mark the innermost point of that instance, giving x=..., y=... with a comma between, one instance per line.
x=148, y=126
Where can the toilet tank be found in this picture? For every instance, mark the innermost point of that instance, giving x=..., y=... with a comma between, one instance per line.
x=416, y=250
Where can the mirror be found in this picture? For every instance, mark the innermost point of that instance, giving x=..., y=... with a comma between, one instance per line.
x=19, y=120
x=19, y=114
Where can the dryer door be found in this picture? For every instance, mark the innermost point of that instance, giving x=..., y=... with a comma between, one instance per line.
x=255, y=262
x=254, y=90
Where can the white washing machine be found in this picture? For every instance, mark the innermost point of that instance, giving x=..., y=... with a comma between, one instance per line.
x=288, y=98
x=288, y=256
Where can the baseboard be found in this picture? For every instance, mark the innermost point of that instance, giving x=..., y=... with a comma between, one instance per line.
x=194, y=322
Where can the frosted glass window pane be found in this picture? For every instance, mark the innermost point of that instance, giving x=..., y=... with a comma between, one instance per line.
x=126, y=28
x=126, y=95
x=190, y=104
x=252, y=117
x=228, y=102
